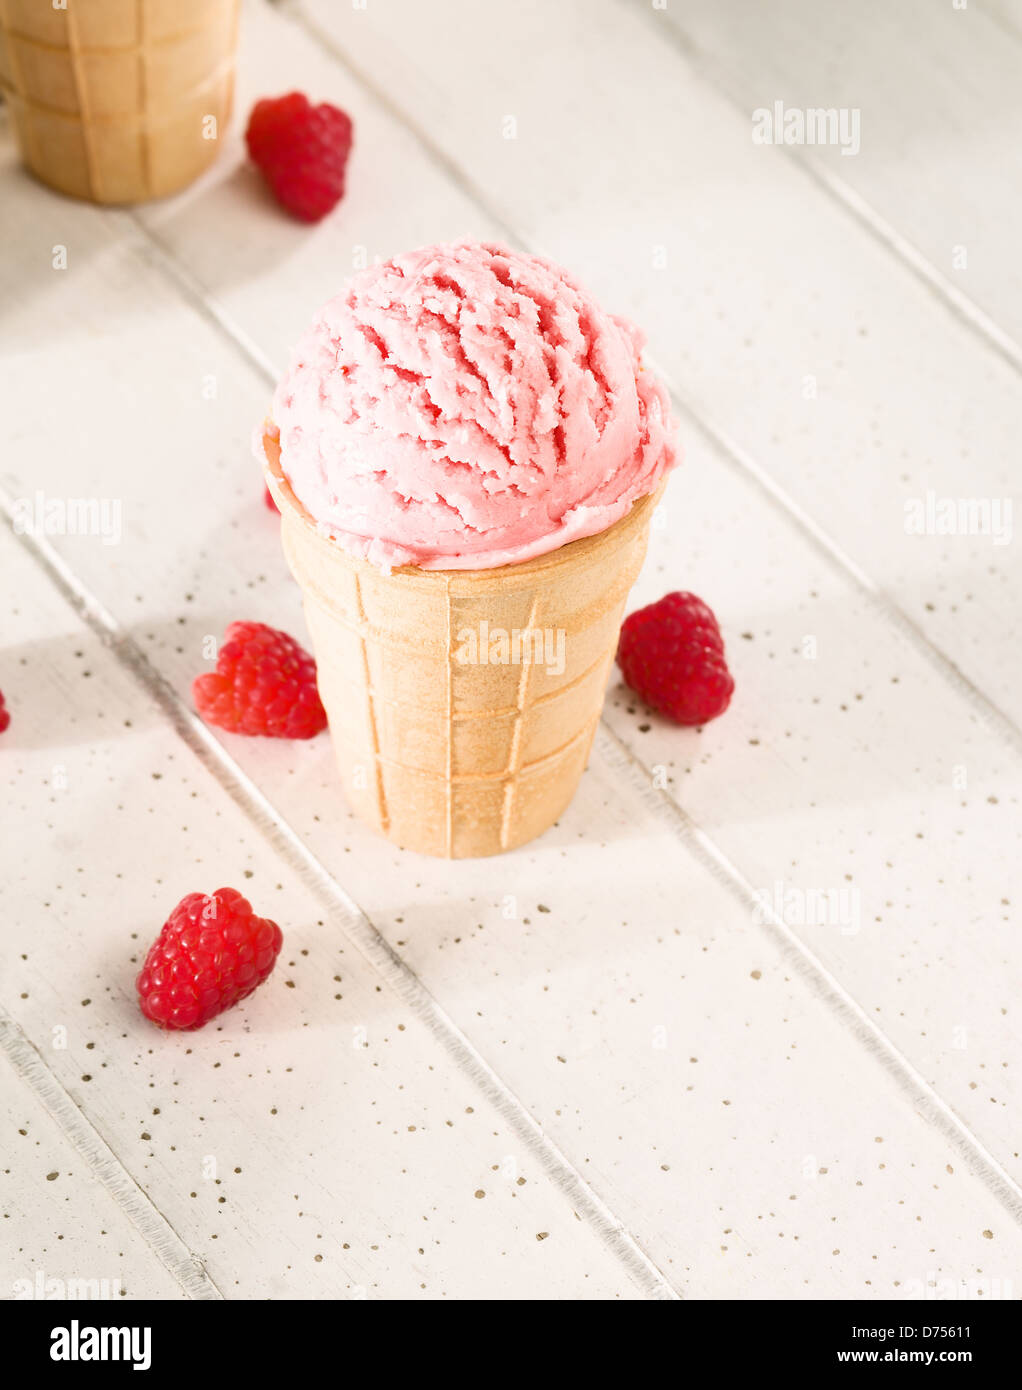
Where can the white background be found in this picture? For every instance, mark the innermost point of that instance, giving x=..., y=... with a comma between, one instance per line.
x=590, y=1069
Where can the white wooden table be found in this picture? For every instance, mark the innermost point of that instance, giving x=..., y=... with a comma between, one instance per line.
x=599, y=1067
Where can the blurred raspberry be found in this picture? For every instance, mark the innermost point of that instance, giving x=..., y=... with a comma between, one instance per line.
x=302, y=151
x=5, y=715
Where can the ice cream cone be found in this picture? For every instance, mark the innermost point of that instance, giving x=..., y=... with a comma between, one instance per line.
x=462, y=703
x=118, y=101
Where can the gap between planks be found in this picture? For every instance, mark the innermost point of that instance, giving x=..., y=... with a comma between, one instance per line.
x=154, y=1228
x=741, y=461
x=344, y=912
x=825, y=986
x=712, y=73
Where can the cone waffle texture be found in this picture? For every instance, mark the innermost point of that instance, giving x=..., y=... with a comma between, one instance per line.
x=111, y=99
x=446, y=742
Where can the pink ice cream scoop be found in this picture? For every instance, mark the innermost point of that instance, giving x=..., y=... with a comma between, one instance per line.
x=465, y=406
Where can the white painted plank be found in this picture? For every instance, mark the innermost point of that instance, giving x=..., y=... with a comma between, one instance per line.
x=754, y=286
x=936, y=88
x=58, y=1226
x=291, y=1159
x=594, y=961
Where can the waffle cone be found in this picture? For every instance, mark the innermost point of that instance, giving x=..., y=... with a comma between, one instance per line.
x=442, y=753
x=112, y=100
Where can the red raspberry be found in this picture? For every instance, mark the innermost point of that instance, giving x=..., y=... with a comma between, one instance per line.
x=672, y=654
x=212, y=953
x=264, y=683
x=5, y=715
x=302, y=151
x=268, y=499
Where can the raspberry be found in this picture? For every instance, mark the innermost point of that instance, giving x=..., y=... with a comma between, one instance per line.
x=268, y=499
x=302, y=151
x=5, y=715
x=211, y=953
x=672, y=654
x=264, y=683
